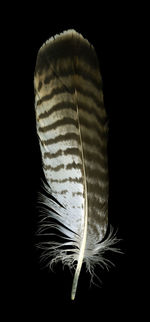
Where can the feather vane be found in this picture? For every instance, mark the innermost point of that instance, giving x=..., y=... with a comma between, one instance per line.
x=71, y=126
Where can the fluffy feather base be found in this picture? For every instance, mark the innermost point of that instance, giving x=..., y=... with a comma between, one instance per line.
x=67, y=244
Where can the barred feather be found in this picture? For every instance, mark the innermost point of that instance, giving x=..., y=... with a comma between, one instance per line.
x=72, y=131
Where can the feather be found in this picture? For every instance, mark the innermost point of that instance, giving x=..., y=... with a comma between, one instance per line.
x=72, y=129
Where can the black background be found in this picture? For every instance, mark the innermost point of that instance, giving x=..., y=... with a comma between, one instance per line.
x=33, y=291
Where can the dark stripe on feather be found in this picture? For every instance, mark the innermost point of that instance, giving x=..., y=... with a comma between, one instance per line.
x=48, y=155
x=97, y=174
x=94, y=110
x=74, y=180
x=68, y=151
x=64, y=121
x=96, y=156
x=86, y=75
x=95, y=128
x=97, y=189
x=89, y=77
x=89, y=94
x=69, y=136
x=74, y=165
x=72, y=151
x=62, y=73
x=57, y=168
x=54, y=92
x=78, y=193
x=95, y=142
x=57, y=107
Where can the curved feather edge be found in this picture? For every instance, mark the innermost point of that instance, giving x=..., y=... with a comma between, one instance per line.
x=67, y=250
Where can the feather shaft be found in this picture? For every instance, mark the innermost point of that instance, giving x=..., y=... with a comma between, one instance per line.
x=83, y=244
